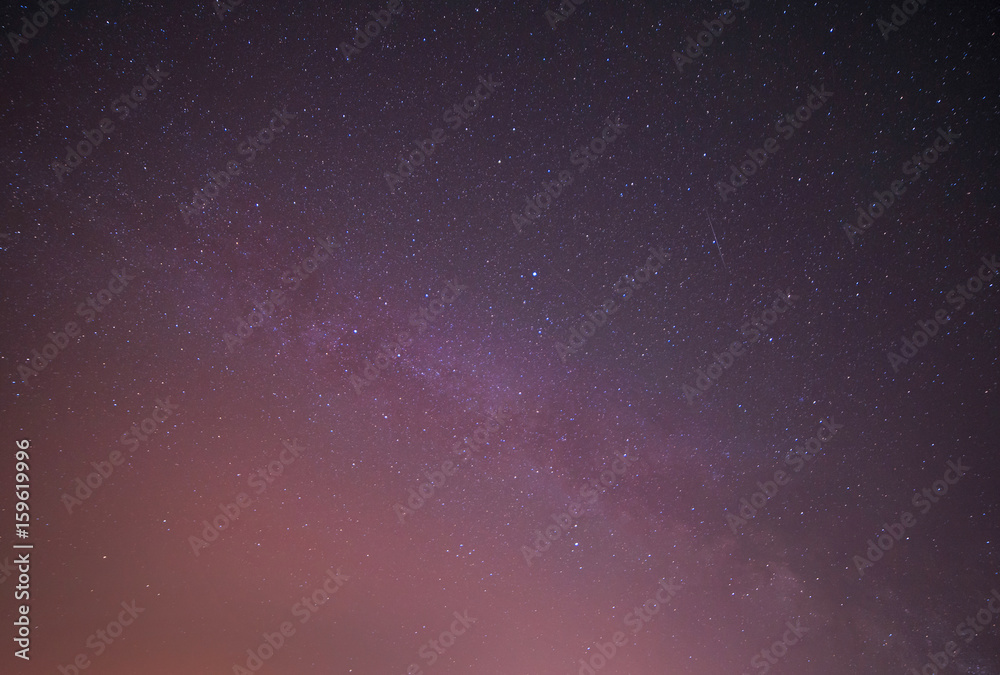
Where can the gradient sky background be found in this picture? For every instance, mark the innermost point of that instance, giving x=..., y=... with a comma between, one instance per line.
x=495, y=345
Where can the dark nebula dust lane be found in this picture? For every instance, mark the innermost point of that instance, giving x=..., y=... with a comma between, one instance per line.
x=564, y=338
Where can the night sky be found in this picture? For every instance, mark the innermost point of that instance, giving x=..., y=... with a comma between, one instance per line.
x=626, y=338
